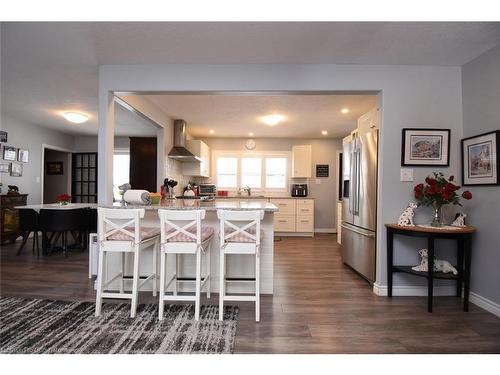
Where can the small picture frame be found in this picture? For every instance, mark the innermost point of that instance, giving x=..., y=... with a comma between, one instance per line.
x=3, y=136
x=9, y=153
x=480, y=159
x=16, y=169
x=425, y=147
x=55, y=167
x=322, y=170
x=23, y=155
x=4, y=167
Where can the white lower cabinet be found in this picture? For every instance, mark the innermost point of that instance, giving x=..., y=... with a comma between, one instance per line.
x=294, y=216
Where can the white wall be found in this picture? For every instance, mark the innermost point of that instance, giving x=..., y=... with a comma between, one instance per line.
x=31, y=137
x=412, y=96
x=324, y=152
x=88, y=143
x=481, y=98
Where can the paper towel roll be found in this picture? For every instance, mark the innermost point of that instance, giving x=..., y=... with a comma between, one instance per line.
x=137, y=197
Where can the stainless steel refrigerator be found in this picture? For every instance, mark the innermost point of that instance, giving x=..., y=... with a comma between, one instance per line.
x=359, y=196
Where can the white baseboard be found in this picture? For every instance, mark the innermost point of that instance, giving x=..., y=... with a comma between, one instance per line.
x=449, y=290
x=413, y=291
x=325, y=230
x=485, y=303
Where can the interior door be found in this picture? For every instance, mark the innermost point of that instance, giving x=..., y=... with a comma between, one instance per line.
x=84, y=177
x=143, y=163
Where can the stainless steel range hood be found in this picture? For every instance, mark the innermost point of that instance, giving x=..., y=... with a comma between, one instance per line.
x=179, y=151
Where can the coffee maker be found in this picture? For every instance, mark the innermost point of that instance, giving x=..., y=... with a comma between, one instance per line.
x=299, y=190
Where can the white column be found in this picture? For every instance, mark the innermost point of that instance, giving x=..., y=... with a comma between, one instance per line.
x=106, y=144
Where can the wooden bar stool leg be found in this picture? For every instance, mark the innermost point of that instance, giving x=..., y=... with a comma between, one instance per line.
x=100, y=276
x=155, y=272
x=176, y=270
x=257, y=287
x=208, y=273
x=122, y=281
x=222, y=285
x=162, y=285
x=135, y=283
x=198, y=286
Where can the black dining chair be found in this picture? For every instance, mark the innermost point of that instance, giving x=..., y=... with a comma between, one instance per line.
x=90, y=225
x=60, y=222
x=28, y=222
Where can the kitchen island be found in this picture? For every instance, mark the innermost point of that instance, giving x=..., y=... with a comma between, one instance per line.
x=240, y=266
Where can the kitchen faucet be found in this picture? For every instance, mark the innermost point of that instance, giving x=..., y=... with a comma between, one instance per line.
x=247, y=189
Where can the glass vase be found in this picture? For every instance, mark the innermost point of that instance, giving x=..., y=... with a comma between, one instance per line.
x=436, y=219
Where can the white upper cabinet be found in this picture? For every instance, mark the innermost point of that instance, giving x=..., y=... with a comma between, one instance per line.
x=198, y=169
x=302, y=161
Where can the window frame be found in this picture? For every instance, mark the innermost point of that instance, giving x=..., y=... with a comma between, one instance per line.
x=263, y=155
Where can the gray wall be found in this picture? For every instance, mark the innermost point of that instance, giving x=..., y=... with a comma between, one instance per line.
x=31, y=137
x=88, y=143
x=481, y=100
x=54, y=185
x=324, y=152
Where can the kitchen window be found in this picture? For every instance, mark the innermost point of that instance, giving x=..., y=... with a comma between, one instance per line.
x=268, y=171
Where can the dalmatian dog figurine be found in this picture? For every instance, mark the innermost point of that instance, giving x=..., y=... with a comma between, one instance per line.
x=460, y=220
x=406, y=218
x=439, y=265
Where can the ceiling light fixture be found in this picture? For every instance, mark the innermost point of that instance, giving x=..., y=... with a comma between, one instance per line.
x=272, y=120
x=324, y=132
x=250, y=134
x=75, y=117
x=344, y=110
x=211, y=131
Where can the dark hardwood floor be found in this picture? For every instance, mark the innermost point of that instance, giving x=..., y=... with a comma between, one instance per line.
x=319, y=305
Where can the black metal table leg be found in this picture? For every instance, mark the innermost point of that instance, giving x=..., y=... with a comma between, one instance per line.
x=430, y=272
x=460, y=265
x=468, y=256
x=390, y=249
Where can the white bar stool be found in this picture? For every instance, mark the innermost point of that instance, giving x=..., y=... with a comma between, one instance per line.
x=119, y=231
x=245, y=239
x=190, y=238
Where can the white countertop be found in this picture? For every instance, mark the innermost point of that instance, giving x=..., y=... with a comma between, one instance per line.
x=175, y=204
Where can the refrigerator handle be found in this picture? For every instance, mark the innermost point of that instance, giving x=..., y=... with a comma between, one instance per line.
x=352, y=180
x=358, y=178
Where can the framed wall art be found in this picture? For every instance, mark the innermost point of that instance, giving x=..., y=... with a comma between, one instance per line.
x=425, y=147
x=55, y=167
x=4, y=167
x=480, y=159
x=9, y=153
x=16, y=169
x=3, y=136
x=23, y=155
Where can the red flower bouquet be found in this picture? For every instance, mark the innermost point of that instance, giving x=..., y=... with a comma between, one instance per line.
x=63, y=199
x=438, y=191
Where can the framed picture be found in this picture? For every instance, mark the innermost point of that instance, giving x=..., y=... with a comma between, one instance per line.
x=3, y=136
x=9, y=153
x=16, y=169
x=23, y=155
x=4, y=167
x=425, y=147
x=55, y=167
x=480, y=159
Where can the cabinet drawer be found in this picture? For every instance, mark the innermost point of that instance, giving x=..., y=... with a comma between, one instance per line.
x=305, y=210
x=304, y=224
x=284, y=224
x=285, y=206
x=305, y=202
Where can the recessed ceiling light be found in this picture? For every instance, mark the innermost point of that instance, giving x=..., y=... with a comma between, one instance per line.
x=75, y=117
x=211, y=131
x=324, y=132
x=344, y=110
x=250, y=134
x=272, y=120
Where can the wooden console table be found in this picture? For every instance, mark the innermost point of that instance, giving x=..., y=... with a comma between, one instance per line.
x=463, y=237
x=9, y=216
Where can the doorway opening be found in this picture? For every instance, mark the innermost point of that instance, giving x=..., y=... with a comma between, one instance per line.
x=56, y=173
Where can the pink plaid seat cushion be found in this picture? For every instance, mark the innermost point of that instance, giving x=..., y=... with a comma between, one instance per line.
x=206, y=233
x=241, y=237
x=146, y=234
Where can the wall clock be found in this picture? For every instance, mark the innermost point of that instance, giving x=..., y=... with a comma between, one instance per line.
x=250, y=144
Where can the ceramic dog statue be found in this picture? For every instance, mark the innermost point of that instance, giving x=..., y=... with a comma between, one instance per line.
x=460, y=220
x=406, y=218
x=439, y=265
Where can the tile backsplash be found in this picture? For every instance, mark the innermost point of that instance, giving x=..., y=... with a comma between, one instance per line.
x=173, y=171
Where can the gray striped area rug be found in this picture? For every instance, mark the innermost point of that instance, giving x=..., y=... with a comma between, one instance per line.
x=58, y=327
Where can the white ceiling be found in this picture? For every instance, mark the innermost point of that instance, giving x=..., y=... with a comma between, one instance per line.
x=305, y=116
x=52, y=67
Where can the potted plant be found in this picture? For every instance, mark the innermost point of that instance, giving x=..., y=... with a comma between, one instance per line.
x=438, y=191
x=63, y=199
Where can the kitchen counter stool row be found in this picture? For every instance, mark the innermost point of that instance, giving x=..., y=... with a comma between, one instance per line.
x=181, y=232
